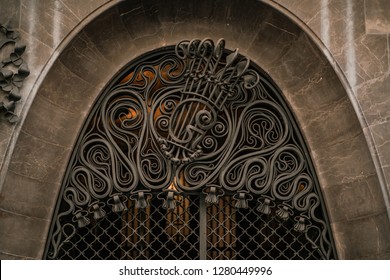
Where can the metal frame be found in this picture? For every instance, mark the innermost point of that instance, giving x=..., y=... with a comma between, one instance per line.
x=196, y=118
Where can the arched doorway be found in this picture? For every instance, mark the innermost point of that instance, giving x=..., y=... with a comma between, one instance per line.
x=190, y=153
x=271, y=36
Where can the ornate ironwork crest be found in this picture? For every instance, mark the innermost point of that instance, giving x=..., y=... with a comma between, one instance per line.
x=207, y=87
x=196, y=118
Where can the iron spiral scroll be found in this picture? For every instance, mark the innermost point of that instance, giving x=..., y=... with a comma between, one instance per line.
x=191, y=119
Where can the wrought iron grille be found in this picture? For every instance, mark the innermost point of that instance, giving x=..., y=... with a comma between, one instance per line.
x=149, y=233
x=190, y=152
x=237, y=233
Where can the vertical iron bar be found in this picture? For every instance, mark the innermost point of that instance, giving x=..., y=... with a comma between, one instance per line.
x=202, y=228
x=142, y=233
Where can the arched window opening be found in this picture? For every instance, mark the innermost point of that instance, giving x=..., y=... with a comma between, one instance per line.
x=190, y=153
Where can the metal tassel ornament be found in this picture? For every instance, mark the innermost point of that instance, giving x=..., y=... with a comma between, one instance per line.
x=97, y=211
x=141, y=199
x=283, y=212
x=300, y=225
x=242, y=199
x=81, y=219
x=169, y=202
x=265, y=206
x=212, y=194
x=118, y=205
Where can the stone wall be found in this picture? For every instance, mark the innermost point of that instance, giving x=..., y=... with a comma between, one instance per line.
x=330, y=58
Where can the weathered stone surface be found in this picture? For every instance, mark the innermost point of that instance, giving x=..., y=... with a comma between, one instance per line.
x=9, y=13
x=282, y=36
x=305, y=9
x=377, y=16
x=6, y=131
x=371, y=233
x=374, y=99
x=355, y=199
x=297, y=66
x=48, y=21
x=329, y=125
x=381, y=135
x=5, y=256
x=386, y=171
x=22, y=235
x=82, y=9
x=38, y=159
x=338, y=22
x=343, y=162
x=376, y=257
x=113, y=40
x=85, y=60
x=28, y=197
x=53, y=124
x=364, y=58
x=66, y=90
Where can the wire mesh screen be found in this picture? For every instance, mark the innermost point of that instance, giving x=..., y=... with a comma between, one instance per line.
x=155, y=233
x=151, y=233
x=237, y=233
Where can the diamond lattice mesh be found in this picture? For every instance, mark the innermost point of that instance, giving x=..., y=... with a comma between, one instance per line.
x=236, y=233
x=152, y=233
x=155, y=233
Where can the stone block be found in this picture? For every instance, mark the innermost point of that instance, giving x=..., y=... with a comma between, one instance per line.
x=373, y=97
x=53, y=124
x=364, y=58
x=5, y=256
x=84, y=59
x=381, y=136
x=22, y=235
x=82, y=9
x=28, y=197
x=329, y=125
x=377, y=16
x=371, y=233
x=67, y=90
x=48, y=21
x=343, y=162
x=36, y=159
x=294, y=65
x=10, y=13
x=113, y=40
x=355, y=199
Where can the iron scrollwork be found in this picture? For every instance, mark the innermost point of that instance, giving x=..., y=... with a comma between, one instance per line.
x=13, y=71
x=198, y=118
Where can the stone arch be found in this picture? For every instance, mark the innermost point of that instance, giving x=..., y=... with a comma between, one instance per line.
x=278, y=43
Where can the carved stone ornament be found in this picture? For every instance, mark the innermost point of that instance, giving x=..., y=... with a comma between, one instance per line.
x=13, y=70
x=196, y=118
